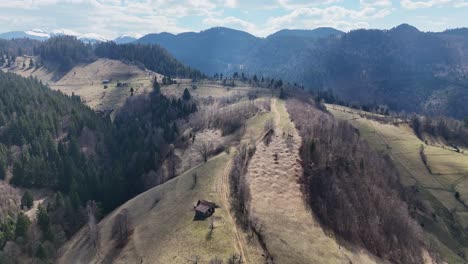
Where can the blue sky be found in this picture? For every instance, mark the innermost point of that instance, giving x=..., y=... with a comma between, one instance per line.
x=111, y=18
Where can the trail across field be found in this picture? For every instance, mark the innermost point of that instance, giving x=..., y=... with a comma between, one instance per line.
x=277, y=202
x=225, y=193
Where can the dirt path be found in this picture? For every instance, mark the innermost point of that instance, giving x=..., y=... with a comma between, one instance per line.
x=225, y=193
x=31, y=213
x=274, y=108
x=290, y=232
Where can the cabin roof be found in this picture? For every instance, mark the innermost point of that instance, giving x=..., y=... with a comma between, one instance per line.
x=204, y=206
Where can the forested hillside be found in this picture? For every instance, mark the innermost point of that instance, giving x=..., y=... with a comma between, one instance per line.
x=211, y=51
x=50, y=140
x=62, y=53
x=152, y=57
x=403, y=67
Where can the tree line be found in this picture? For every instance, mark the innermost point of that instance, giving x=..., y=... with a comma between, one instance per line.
x=353, y=190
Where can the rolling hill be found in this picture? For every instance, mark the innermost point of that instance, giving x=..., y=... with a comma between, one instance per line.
x=164, y=229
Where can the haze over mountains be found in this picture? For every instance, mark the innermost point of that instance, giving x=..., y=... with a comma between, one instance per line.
x=105, y=147
x=402, y=67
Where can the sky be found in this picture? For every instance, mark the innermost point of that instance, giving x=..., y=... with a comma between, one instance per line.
x=112, y=18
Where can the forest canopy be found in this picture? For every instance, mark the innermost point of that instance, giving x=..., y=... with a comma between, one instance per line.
x=62, y=53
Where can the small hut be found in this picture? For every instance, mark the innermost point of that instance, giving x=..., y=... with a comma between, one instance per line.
x=204, y=209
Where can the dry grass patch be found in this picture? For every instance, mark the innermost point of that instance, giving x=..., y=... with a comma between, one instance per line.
x=163, y=226
x=87, y=81
x=291, y=233
x=215, y=89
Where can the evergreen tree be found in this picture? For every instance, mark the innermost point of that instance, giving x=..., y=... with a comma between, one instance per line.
x=27, y=200
x=41, y=253
x=281, y=95
x=43, y=219
x=186, y=96
x=22, y=225
x=156, y=86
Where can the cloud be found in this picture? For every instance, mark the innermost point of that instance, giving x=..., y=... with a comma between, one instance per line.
x=111, y=18
x=410, y=4
x=230, y=3
x=376, y=3
x=295, y=4
x=332, y=16
x=230, y=22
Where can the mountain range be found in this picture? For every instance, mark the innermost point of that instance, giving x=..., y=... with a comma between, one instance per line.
x=403, y=68
x=40, y=34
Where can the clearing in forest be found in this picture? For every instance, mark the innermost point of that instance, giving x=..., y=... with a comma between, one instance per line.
x=103, y=84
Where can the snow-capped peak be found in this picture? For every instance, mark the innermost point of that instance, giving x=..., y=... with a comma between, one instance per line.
x=41, y=34
x=38, y=33
x=64, y=31
x=92, y=36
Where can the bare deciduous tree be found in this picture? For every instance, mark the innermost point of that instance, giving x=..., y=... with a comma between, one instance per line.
x=93, y=228
x=173, y=162
x=216, y=260
x=195, y=179
x=344, y=179
x=204, y=148
x=289, y=137
x=210, y=228
x=239, y=188
x=235, y=259
x=122, y=228
x=268, y=129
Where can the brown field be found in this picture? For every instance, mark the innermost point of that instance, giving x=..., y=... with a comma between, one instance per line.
x=207, y=88
x=292, y=234
x=87, y=81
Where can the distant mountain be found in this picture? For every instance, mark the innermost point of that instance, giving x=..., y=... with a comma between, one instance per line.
x=39, y=34
x=124, y=40
x=212, y=50
x=403, y=67
x=31, y=34
x=227, y=50
x=321, y=32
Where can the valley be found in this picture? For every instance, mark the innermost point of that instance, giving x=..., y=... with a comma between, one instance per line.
x=121, y=153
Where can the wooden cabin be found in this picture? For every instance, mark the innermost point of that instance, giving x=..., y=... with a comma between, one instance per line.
x=204, y=209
